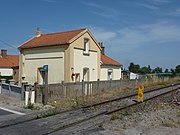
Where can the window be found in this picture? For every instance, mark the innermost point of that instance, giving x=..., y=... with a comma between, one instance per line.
x=86, y=46
x=109, y=74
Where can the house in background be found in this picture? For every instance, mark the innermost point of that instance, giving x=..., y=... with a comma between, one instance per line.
x=129, y=75
x=110, y=68
x=70, y=56
x=9, y=65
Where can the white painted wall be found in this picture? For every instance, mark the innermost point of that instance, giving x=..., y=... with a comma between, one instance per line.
x=35, y=59
x=134, y=76
x=86, y=61
x=116, y=72
x=6, y=71
x=104, y=74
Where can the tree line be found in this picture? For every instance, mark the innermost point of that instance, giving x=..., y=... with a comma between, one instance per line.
x=135, y=68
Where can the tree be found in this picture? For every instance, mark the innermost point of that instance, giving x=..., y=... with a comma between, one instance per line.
x=157, y=70
x=173, y=72
x=149, y=68
x=177, y=70
x=166, y=71
x=144, y=70
x=134, y=67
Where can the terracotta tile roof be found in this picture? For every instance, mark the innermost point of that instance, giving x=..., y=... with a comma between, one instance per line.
x=9, y=61
x=109, y=61
x=52, y=39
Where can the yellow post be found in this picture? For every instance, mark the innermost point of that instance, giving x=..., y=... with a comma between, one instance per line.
x=140, y=93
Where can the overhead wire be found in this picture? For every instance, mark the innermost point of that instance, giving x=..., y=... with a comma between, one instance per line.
x=8, y=44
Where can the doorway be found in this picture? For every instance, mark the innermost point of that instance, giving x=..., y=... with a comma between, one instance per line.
x=40, y=76
x=86, y=79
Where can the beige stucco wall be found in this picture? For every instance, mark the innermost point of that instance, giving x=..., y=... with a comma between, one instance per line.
x=86, y=61
x=116, y=72
x=32, y=59
x=79, y=44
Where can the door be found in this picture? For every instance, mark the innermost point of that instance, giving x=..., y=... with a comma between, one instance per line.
x=40, y=76
x=85, y=78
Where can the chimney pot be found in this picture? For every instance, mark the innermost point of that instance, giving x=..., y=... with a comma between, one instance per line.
x=38, y=32
x=3, y=53
x=102, y=47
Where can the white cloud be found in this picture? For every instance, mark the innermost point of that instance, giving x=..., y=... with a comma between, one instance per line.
x=103, y=35
x=127, y=39
x=148, y=6
x=103, y=11
x=160, y=2
x=176, y=12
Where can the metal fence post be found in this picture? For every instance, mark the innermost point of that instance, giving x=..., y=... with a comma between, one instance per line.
x=120, y=83
x=35, y=90
x=23, y=90
x=0, y=88
x=83, y=88
x=87, y=88
x=64, y=92
x=98, y=86
x=9, y=89
x=2, y=81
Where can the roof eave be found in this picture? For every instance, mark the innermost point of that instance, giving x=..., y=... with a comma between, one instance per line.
x=112, y=65
x=27, y=47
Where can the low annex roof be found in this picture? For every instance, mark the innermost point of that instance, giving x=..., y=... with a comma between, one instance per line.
x=109, y=61
x=52, y=39
x=9, y=61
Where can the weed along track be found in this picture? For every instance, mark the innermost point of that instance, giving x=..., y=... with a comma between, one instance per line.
x=75, y=121
x=98, y=113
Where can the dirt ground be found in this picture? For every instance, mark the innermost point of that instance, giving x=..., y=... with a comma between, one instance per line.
x=153, y=118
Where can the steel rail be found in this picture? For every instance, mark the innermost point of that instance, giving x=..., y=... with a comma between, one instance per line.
x=131, y=95
x=109, y=112
x=145, y=100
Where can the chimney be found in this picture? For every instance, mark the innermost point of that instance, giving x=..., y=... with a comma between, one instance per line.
x=102, y=47
x=3, y=53
x=38, y=32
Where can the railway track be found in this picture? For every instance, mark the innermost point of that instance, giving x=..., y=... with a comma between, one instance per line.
x=70, y=122
x=108, y=109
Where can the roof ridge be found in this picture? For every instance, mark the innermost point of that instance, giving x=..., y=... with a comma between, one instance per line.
x=64, y=31
x=106, y=56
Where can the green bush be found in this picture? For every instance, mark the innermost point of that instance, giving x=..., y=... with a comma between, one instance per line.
x=6, y=77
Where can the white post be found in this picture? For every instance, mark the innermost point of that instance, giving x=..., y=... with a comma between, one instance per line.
x=26, y=97
x=32, y=97
x=0, y=88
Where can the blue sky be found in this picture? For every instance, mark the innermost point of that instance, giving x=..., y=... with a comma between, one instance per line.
x=146, y=32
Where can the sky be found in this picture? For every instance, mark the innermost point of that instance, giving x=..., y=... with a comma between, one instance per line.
x=145, y=32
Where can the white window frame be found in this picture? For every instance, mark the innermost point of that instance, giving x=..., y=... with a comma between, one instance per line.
x=110, y=76
x=86, y=46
